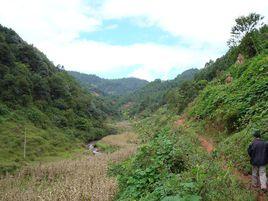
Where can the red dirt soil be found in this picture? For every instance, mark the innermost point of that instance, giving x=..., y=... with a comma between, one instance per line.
x=180, y=122
x=207, y=145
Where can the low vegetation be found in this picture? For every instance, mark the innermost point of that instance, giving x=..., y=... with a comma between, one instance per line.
x=81, y=178
x=172, y=165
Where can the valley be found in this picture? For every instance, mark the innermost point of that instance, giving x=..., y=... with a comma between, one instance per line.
x=66, y=135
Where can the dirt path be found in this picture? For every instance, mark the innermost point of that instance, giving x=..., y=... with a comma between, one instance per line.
x=245, y=179
x=208, y=145
x=84, y=178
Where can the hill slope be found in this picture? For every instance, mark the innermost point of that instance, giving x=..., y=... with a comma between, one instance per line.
x=150, y=97
x=108, y=86
x=224, y=103
x=43, y=103
x=231, y=111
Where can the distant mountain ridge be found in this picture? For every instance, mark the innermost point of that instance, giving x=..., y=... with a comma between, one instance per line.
x=103, y=86
x=152, y=96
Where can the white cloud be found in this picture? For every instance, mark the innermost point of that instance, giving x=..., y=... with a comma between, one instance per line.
x=49, y=21
x=95, y=57
x=202, y=21
x=54, y=27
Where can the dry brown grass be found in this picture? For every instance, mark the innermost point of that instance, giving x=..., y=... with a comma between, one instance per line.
x=82, y=179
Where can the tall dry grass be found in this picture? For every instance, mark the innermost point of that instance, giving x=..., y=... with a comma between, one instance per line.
x=82, y=179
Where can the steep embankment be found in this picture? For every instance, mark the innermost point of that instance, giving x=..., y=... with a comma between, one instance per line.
x=230, y=111
x=82, y=178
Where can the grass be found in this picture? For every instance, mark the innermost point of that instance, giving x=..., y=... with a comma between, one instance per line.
x=80, y=178
x=106, y=148
x=42, y=144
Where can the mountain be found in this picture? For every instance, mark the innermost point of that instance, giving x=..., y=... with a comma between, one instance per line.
x=108, y=86
x=43, y=103
x=150, y=97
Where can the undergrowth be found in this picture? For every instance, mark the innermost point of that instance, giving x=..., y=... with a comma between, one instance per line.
x=171, y=165
x=234, y=110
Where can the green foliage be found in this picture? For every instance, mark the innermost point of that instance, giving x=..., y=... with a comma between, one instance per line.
x=102, y=86
x=178, y=93
x=153, y=163
x=179, y=98
x=244, y=25
x=4, y=110
x=179, y=198
x=212, y=69
x=105, y=147
x=236, y=108
x=38, y=118
x=149, y=98
x=171, y=166
x=34, y=93
x=41, y=144
x=241, y=102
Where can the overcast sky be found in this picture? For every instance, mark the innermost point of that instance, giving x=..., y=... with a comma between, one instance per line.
x=147, y=39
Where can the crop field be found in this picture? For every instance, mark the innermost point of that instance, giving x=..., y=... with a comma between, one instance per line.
x=84, y=178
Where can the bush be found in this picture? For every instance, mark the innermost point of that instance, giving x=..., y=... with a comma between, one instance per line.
x=153, y=163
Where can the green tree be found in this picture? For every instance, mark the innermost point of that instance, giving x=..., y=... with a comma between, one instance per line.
x=244, y=26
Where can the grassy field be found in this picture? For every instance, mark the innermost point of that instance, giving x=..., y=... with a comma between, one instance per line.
x=82, y=178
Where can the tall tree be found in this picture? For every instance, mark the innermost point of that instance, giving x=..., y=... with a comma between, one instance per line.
x=244, y=26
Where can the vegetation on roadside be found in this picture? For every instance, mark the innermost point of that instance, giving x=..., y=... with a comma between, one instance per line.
x=172, y=166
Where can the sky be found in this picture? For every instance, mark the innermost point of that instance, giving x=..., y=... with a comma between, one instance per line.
x=147, y=39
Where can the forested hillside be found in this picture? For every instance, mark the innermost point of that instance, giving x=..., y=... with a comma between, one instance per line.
x=42, y=103
x=108, y=86
x=150, y=97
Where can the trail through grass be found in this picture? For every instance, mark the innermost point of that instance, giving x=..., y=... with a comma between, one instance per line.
x=209, y=146
x=84, y=178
